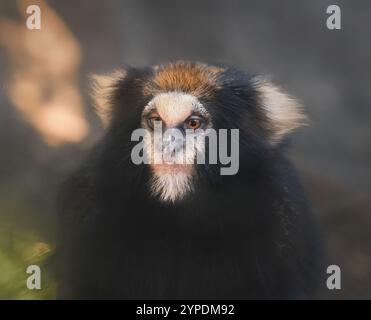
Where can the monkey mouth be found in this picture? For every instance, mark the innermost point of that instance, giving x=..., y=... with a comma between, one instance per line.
x=172, y=168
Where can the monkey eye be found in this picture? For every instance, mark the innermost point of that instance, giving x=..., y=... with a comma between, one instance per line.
x=193, y=122
x=151, y=120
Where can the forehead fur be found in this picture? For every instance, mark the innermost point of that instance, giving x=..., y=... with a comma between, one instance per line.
x=197, y=79
x=175, y=107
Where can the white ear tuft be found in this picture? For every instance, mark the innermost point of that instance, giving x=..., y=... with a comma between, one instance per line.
x=103, y=87
x=284, y=113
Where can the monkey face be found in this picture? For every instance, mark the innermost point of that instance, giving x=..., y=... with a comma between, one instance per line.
x=173, y=115
x=170, y=118
x=177, y=101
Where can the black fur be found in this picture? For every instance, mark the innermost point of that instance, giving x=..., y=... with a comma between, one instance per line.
x=244, y=236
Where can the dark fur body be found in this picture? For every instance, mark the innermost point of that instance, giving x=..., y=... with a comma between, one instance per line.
x=244, y=236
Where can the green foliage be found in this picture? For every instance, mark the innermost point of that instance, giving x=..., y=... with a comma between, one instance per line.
x=18, y=250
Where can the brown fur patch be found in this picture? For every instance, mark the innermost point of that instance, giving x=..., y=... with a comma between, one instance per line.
x=197, y=79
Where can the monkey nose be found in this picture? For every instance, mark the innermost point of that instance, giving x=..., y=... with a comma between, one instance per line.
x=171, y=142
x=172, y=146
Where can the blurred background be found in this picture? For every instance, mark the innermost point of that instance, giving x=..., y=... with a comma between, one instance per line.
x=47, y=124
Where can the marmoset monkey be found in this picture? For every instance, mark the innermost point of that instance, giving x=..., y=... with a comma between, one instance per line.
x=180, y=228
